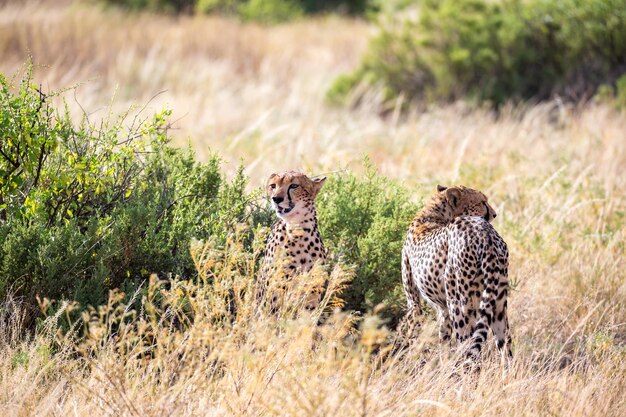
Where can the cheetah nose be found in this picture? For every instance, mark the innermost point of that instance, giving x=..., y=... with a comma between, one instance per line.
x=495, y=215
x=277, y=200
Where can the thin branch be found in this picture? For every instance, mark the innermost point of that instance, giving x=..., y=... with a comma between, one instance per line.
x=39, y=165
x=12, y=162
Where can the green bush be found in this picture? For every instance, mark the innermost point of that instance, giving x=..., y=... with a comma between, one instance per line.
x=621, y=92
x=266, y=11
x=86, y=209
x=364, y=223
x=270, y=11
x=495, y=51
x=221, y=6
x=615, y=96
x=172, y=6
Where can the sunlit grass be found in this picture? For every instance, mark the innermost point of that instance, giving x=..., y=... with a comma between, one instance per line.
x=555, y=174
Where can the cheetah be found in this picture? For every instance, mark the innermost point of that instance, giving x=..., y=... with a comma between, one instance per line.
x=455, y=260
x=295, y=234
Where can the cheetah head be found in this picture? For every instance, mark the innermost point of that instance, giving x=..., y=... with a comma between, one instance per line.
x=292, y=193
x=465, y=201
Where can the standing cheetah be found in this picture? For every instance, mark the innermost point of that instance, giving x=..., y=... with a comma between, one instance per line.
x=455, y=260
x=295, y=234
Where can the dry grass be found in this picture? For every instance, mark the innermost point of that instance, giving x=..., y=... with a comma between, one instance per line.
x=555, y=175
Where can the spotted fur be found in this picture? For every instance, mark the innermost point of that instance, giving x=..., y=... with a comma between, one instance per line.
x=455, y=260
x=295, y=234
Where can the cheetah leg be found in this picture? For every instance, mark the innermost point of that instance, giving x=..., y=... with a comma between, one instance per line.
x=410, y=287
x=410, y=322
x=455, y=318
x=500, y=325
x=464, y=322
x=458, y=301
x=445, y=326
x=470, y=308
x=409, y=326
x=485, y=319
x=463, y=307
x=448, y=320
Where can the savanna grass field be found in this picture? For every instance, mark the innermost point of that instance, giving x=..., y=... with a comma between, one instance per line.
x=132, y=231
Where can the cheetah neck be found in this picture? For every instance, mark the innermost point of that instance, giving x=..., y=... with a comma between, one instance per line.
x=302, y=224
x=436, y=214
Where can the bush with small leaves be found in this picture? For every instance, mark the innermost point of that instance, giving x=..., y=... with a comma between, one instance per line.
x=265, y=11
x=492, y=51
x=364, y=221
x=86, y=208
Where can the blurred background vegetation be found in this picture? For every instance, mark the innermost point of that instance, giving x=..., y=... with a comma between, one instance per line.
x=267, y=11
x=487, y=51
x=497, y=51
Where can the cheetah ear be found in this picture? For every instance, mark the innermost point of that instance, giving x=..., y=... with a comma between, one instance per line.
x=453, y=195
x=267, y=183
x=441, y=188
x=270, y=178
x=317, y=184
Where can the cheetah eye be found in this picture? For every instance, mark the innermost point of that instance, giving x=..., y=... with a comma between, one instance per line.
x=273, y=186
x=293, y=186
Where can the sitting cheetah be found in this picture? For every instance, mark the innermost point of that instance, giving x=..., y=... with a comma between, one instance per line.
x=455, y=260
x=295, y=234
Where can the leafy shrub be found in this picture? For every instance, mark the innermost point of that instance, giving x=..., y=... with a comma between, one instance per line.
x=621, y=91
x=86, y=209
x=364, y=223
x=495, y=51
x=270, y=11
x=266, y=11
x=222, y=6
x=28, y=137
x=175, y=6
x=615, y=96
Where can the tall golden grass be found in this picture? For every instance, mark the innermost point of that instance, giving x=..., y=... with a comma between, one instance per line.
x=555, y=173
